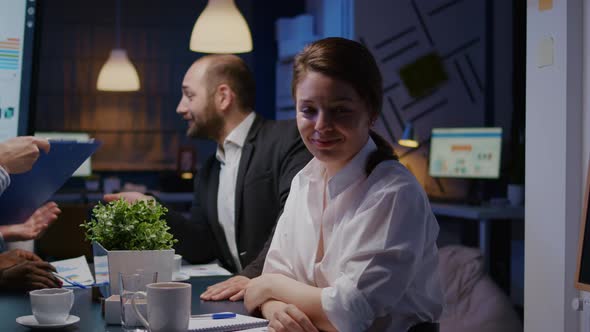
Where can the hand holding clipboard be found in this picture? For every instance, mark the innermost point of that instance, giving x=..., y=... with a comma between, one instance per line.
x=29, y=190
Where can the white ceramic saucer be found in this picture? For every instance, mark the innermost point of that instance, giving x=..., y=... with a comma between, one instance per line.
x=30, y=321
x=180, y=276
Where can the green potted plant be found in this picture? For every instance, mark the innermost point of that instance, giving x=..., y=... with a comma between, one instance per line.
x=130, y=236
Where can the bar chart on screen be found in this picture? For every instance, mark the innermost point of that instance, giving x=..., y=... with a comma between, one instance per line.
x=10, y=62
x=9, y=56
x=17, y=29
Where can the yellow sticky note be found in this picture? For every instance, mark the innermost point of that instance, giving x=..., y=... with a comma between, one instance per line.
x=545, y=5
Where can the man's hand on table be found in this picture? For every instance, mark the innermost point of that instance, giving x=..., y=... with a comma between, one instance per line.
x=232, y=289
x=128, y=196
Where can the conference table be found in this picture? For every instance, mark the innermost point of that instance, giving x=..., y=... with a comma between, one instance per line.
x=16, y=304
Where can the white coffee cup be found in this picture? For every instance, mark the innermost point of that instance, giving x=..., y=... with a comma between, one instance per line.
x=168, y=306
x=177, y=263
x=51, y=305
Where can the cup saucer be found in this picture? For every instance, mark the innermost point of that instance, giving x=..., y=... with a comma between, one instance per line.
x=179, y=276
x=30, y=321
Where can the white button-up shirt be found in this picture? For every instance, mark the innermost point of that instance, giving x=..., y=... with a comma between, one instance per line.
x=229, y=156
x=4, y=180
x=379, y=269
x=4, y=183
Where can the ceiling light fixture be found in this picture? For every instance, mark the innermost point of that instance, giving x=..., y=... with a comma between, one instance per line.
x=118, y=73
x=221, y=28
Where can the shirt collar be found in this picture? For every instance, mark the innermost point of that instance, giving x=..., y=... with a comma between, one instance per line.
x=237, y=136
x=314, y=171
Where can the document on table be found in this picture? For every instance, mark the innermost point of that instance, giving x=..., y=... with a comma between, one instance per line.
x=75, y=269
x=203, y=270
x=101, y=269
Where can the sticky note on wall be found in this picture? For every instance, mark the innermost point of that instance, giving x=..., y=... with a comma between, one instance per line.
x=545, y=5
x=545, y=52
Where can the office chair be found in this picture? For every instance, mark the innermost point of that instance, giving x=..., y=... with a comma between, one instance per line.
x=424, y=327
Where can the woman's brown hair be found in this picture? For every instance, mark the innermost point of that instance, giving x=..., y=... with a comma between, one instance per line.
x=351, y=62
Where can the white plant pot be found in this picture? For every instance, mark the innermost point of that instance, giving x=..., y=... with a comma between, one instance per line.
x=128, y=261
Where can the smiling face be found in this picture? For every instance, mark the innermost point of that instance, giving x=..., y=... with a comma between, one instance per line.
x=197, y=105
x=332, y=119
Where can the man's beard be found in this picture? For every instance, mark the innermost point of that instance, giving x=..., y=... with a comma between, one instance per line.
x=210, y=129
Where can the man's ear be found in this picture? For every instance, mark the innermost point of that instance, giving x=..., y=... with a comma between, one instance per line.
x=224, y=97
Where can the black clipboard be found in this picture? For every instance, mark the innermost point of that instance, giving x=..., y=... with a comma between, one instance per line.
x=28, y=191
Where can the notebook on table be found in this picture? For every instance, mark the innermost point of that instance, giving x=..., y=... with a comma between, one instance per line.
x=240, y=322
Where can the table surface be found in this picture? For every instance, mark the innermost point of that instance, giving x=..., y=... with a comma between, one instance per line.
x=13, y=305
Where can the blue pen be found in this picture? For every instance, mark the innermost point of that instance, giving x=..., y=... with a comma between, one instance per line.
x=70, y=281
x=221, y=315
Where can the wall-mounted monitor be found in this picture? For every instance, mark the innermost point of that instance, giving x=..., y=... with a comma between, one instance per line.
x=17, y=28
x=465, y=153
x=86, y=168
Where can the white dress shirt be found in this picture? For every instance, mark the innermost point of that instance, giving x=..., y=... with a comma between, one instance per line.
x=4, y=183
x=229, y=156
x=379, y=269
x=4, y=180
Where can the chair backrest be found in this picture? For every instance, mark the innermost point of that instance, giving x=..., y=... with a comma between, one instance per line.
x=65, y=238
x=424, y=327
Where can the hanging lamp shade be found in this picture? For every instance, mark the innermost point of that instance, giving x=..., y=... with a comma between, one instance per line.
x=118, y=73
x=408, y=138
x=221, y=28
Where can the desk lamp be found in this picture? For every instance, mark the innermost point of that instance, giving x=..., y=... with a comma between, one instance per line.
x=408, y=138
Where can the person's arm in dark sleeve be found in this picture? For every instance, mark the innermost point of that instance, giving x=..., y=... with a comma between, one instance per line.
x=196, y=242
x=295, y=158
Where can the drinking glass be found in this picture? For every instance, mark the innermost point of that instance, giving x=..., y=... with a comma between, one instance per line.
x=129, y=284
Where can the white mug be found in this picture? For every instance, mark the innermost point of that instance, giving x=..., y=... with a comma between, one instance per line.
x=177, y=263
x=51, y=305
x=168, y=306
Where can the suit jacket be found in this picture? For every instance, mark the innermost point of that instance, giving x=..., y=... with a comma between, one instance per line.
x=272, y=154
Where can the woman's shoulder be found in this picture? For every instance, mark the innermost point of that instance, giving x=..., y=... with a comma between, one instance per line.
x=393, y=175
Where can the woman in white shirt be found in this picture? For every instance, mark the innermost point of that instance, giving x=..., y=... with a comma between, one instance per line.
x=355, y=248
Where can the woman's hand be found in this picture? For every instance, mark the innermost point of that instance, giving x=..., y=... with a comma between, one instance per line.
x=262, y=289
x=257, y=292
x=15, y=256
x=29, y=275
x=286, y=317
x=22, y=255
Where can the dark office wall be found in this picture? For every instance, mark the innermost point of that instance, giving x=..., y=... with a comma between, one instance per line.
x=473, y=43
x=140, y=130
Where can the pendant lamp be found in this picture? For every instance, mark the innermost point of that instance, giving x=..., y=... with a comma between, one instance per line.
x=118, y=73
x=221, y=28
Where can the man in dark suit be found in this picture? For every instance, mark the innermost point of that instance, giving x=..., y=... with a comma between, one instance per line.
x=240, y=192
